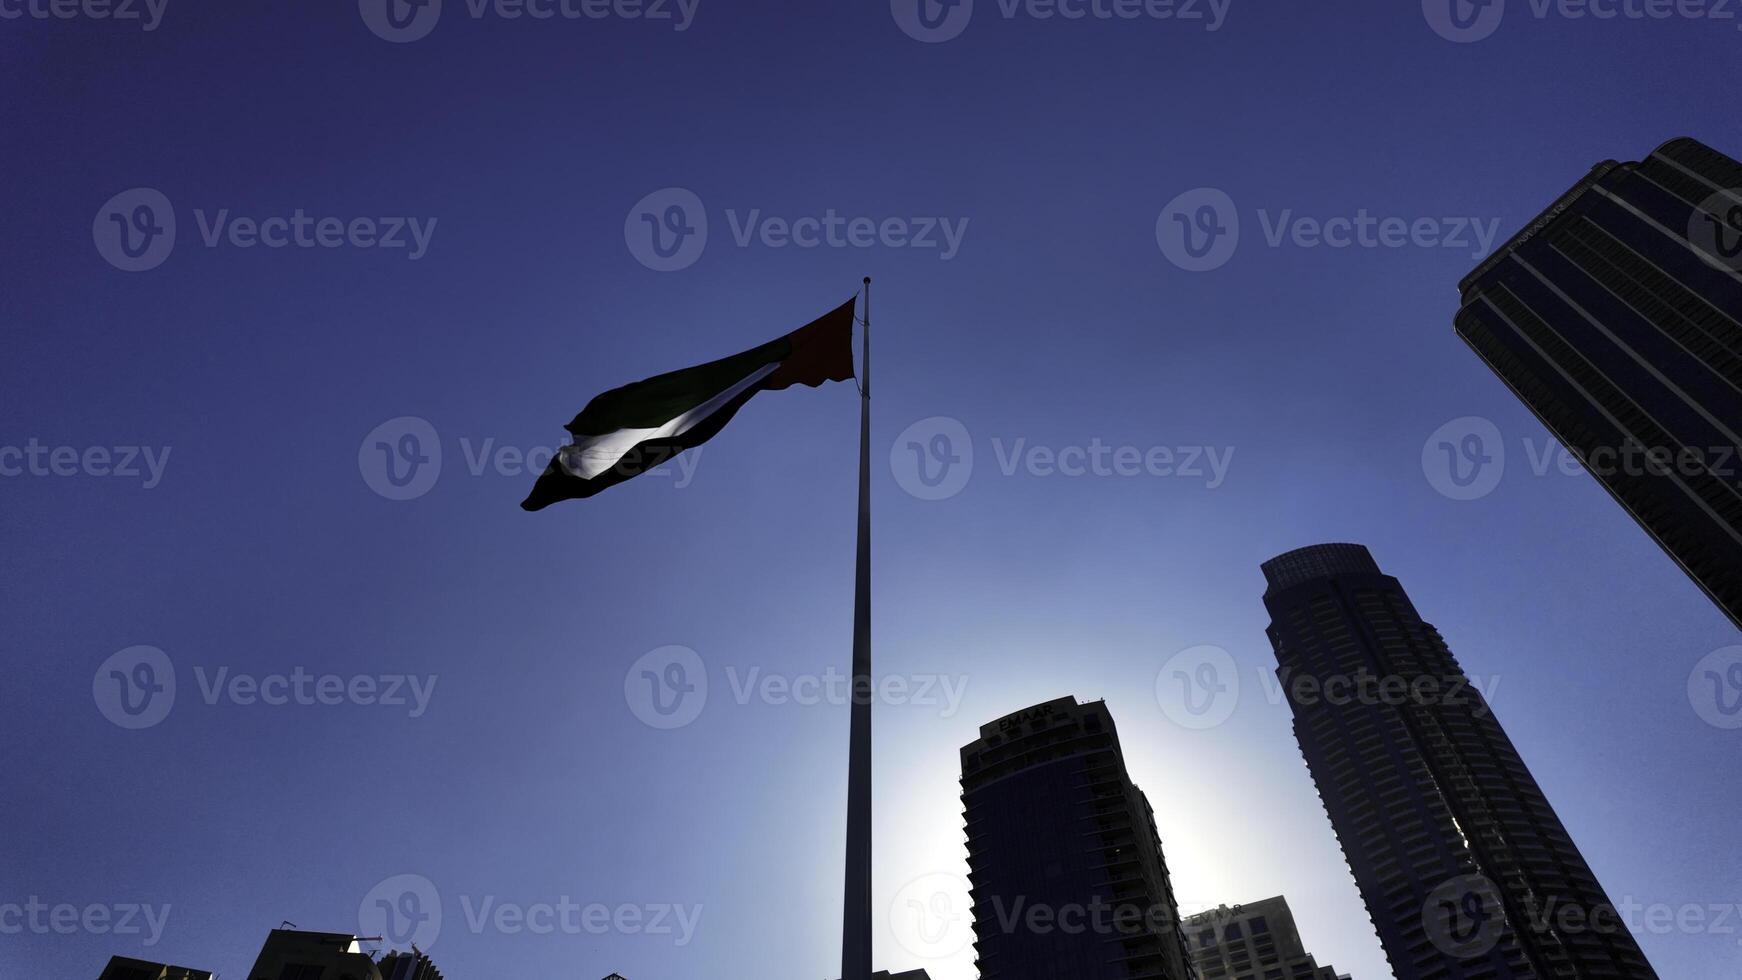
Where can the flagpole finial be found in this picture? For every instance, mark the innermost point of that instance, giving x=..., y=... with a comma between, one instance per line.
x=867, y=280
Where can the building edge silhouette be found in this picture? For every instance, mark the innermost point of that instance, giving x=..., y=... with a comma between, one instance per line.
x=1613, y=316
x=1252, y=941
x=1053, y=822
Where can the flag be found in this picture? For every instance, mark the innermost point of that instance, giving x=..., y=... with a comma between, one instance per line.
x=629, y=430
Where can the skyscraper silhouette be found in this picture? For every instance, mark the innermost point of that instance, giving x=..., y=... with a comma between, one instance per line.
x=1066, y=870
x=1616, y=316
x=1465, y=869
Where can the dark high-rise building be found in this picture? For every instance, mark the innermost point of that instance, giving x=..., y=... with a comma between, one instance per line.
x=127, y=968
x=414, y=965
x=293, y=954
x=1066, y=871
x=1616, y=316
x=1465, y=869
x=1254, y=941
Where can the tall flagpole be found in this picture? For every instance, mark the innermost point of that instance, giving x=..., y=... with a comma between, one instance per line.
x=856, y=911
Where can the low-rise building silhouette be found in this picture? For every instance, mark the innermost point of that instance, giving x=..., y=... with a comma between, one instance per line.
x=1254, y=941
x=128, y=968
x=291, y=954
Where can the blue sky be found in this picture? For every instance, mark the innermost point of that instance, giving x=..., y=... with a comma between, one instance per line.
x=528, y=777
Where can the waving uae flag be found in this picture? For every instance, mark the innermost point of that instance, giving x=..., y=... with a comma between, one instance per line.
x=629, y=430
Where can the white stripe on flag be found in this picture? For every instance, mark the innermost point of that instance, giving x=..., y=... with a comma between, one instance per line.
x=593, y=455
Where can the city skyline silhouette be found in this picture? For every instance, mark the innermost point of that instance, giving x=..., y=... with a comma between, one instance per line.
x=297, y=297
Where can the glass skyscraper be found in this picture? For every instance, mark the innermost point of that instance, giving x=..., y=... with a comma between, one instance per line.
x=1466, y=871
x=1616, y=316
